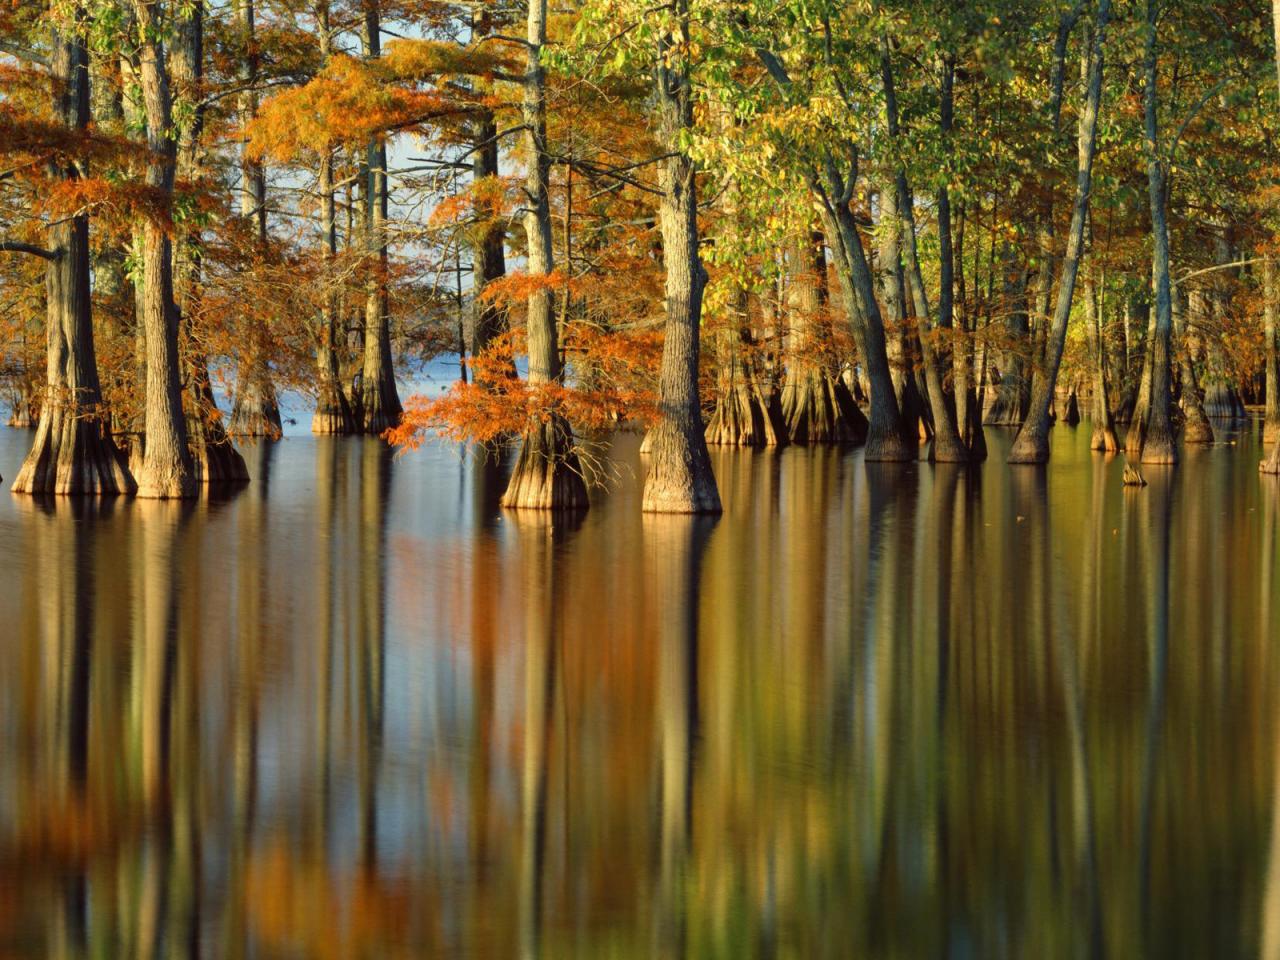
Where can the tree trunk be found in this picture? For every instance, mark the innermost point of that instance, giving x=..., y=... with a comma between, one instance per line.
x=255, y=412
x=72, y=452
x=680, y=479
x=547, y=475
x=744, y=416
x=166, y=469
x=817, y=407
x=333, y=414
x=379, y=401
x=947, y=446
x=1197, y=429
x=897, y=340
x=1032, y=442
x=1158, y=442
x=833, y=190
x=1272, y=463
x=1271, y=425
x=968, y=404
x=1104, y=428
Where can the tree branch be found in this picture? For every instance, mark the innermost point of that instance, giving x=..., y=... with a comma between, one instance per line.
x=15, y=246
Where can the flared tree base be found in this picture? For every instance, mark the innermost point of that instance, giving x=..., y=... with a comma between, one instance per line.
x=1104, y=439
x=163, y=477
x=1071, y=415
x=889, y=446
x=332, y=417
x=1197, y=428
x=680, y=479
x=217, y=462
x=745, y=418
x=1271, y=430
x=817, y=409
x=256, y=417
x=1223, y=403
x=1008, y=406
x=73, y=456
x=1030, y=446
x=1160, y=446
x=380, y=408
x=547, y=474
x=1271, y=465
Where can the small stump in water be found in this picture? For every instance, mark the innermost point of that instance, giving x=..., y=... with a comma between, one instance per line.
x=1133, y=476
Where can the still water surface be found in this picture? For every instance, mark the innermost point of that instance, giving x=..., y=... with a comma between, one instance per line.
x=357, y=711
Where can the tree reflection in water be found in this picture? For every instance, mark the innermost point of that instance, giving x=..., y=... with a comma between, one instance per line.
x=356, y=710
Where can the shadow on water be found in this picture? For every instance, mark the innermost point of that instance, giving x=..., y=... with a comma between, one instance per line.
x=873, y=710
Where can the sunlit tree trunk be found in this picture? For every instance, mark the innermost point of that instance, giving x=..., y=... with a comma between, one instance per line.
x=947, y=446
x=816, y=406
x=254, y=412
x=1272, y=463
x=166, y=470
x=1158, y=443
x=547, y=474
x=1198, y=428
x=380, y=402
x=1032, y=442
x=72, y=452
x=680, y=479
x=897, y=341
x=1104, y=428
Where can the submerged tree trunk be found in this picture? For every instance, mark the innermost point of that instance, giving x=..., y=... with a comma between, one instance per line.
x=898, y=343
x=1271, y=424
x=1197, y=429
x=379, y=400
x=1032, y=442
x=1272, y=463
x=333, y=414
x=254, y=412
x=1158, y=442
x=947, y=446
x=547, y=475
x=817, y=407
x=73, y=452
x=166, y=469
x=680, y=479
x=1104, y=428
x=214, y=458
x=745, y=416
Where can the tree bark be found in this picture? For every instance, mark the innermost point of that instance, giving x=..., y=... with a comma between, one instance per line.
x=255, y=412
x=1271, y=424
x=898, y=342
x=1158, y=442
x=680, y=479
x=166, y=469
x=745, y=416
x=73, y=452
x=947, y=446
x=1032, y=443
x=1104, y=428
x=380, y=402
x=547, y=474
x=1198, y=428
x=817, y=407
x=1272, y=463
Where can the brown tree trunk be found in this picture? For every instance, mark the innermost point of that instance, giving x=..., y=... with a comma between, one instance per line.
x=166, y=469
x=547, y=474
x=1197, y=429
x=379, y=401
x=1270, y=425
x=947, y=446
x=1272, y=463
x=254, y=412
x=1158, y=443
x=816, y=406
x=333, y=414
x=745, y=416
x=72, y=452
x=680, y=479
x=1104, y=428
x=898, y=342
x=1032, y=443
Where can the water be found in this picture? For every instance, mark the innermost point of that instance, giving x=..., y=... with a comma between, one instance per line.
x=357, y=711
